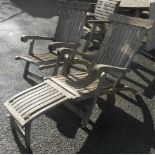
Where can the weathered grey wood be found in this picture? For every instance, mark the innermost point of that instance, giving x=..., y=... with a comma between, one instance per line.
x=151, y=34
x=126, y=38
x=103, y=9
x=69, y=30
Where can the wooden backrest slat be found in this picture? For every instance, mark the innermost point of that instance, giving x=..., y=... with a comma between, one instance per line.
x=128, y=58
x=71, y=21
x=124, y=46
x=115, y=43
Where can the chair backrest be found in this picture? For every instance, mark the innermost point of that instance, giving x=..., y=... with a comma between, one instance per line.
x=71, y=21
x=104, y=8
x=122, y=40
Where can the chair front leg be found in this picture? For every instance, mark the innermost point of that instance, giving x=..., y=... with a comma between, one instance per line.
x=27, y=65
x=57, y=65
x=67, y=65
x=27, y=136
x=90, y=110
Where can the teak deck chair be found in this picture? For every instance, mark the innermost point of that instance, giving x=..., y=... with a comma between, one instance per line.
x=68, y=34
x=96, y=22
x=121, y=42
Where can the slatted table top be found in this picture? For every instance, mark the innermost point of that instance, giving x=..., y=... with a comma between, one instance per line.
x=135, y=3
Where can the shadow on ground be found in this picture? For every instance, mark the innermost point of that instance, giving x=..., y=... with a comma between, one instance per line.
x=37, y=8
x=117, y=132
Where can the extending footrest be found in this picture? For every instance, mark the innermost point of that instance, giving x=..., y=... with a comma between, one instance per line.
x=32, y=102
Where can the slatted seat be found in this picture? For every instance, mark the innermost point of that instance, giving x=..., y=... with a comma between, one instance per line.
x=121, y=42
x=82, y=82
x=28, y=104
x=68, y=34
x=96, y=22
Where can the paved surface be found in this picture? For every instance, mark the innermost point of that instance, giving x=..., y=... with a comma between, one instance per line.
x=123, y=126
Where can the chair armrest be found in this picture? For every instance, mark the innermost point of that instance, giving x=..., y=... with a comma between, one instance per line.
x=109, y=69
x=72, y=52
x=42, y=67
x=26, y=38
x=82, y=62
x=54, y=45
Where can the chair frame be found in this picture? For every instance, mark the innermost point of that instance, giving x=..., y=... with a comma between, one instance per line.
x=98, y=70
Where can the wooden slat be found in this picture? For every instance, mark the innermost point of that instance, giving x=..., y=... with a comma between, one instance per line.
x=65, y=87
x=11, y=101
x=60, y=89
x=131, y=40
x=47, y=108
x=123, y=43
x=38, y=59
x=41, y=103
x=29, y=95
x=35, y=99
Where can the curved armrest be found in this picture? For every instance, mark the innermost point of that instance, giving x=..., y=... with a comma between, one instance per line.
x=26, y=38
x=54, y=45
x=109, y=69
x=72, y=52
x=98, y=21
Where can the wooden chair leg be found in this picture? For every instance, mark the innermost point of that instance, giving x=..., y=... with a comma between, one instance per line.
x=89, y=112
x=26, y=70
x=12, y=123
x=27, y=136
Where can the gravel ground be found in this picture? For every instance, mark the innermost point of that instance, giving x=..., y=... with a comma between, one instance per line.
x=124, y=125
